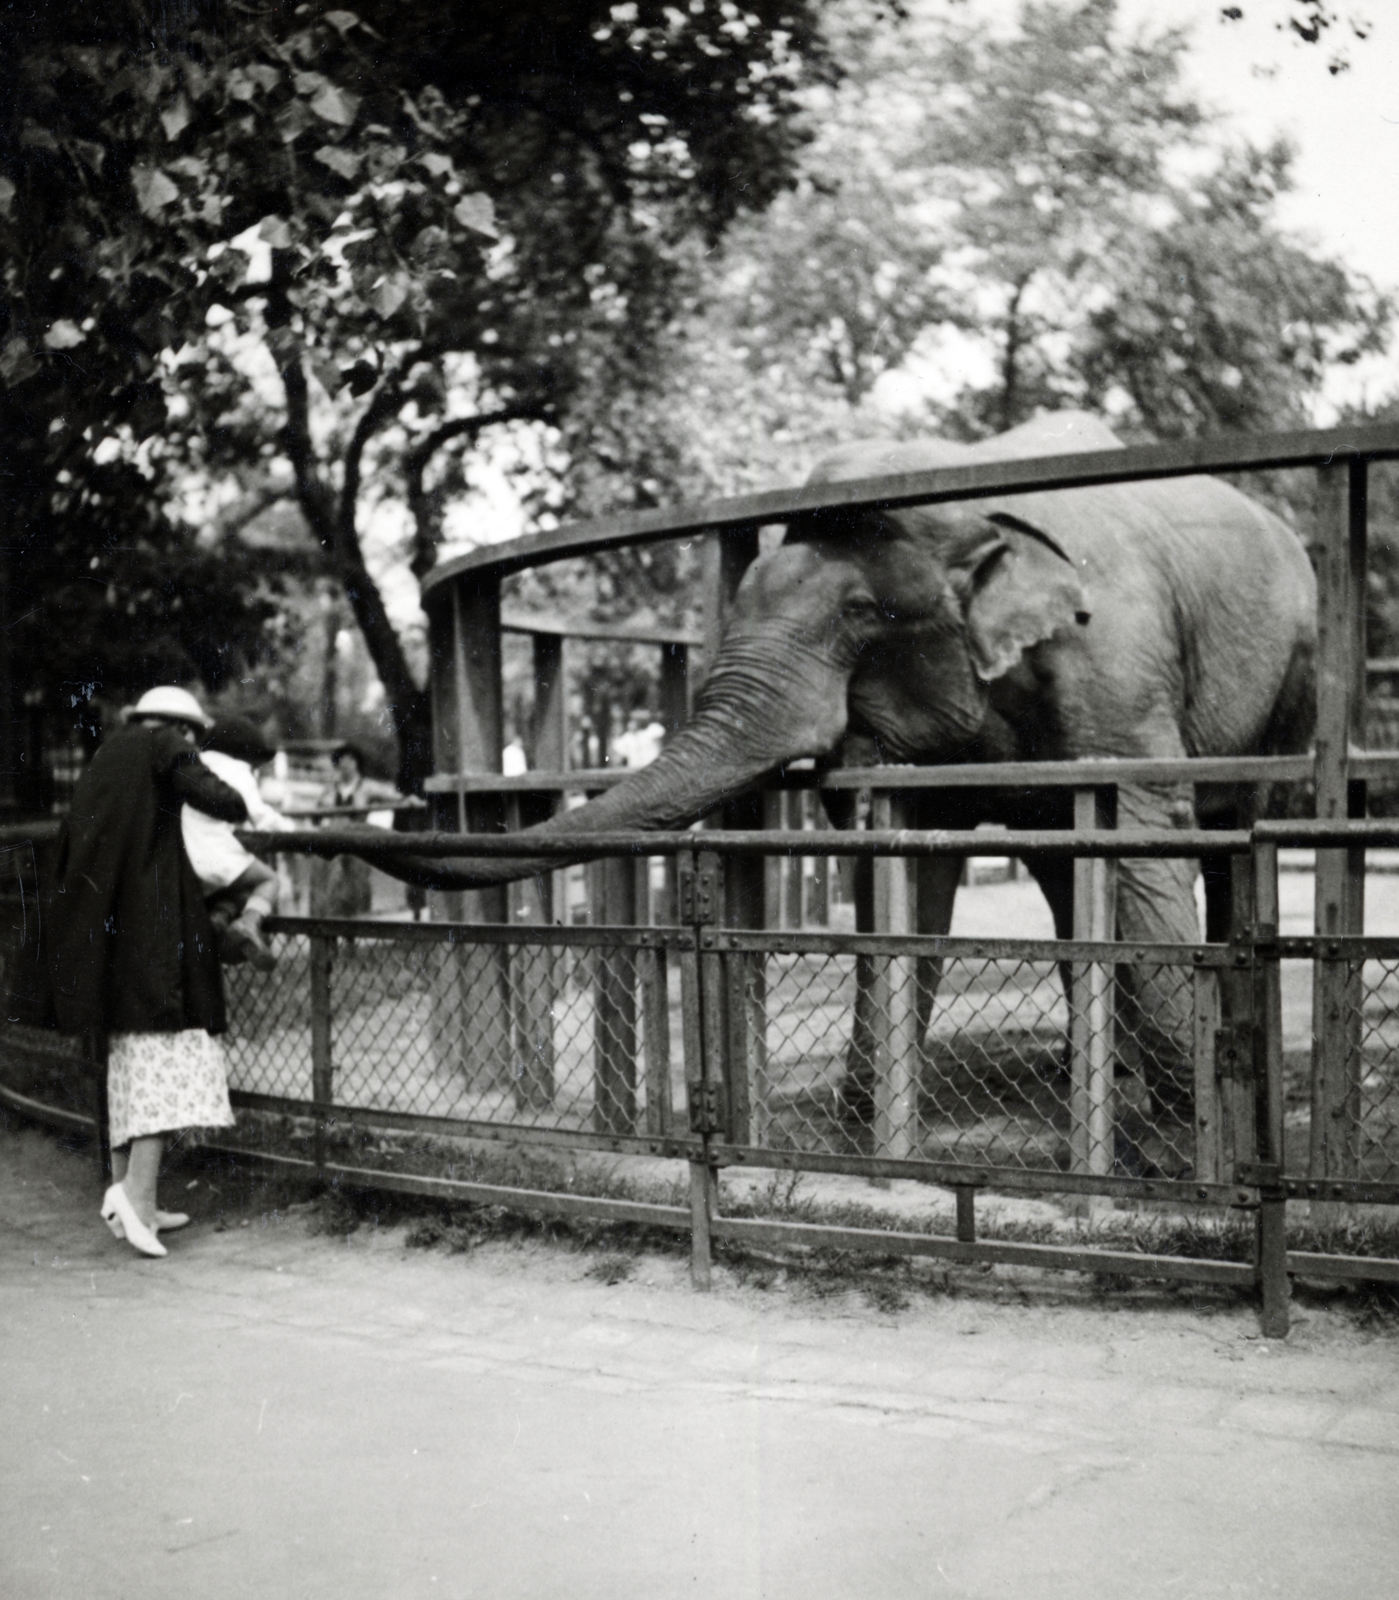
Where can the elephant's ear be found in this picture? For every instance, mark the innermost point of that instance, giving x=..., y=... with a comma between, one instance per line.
x=1020, y=588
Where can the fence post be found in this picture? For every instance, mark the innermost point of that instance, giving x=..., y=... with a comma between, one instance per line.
x=1273, y=1282
x=1340, y=873
x=894, y=994
x=702, y=1022
x=322, y=1061
x=816, y=911
x=655, y=1011
x=614, y=1031
x=1210, y=1160
x=1090, y=1007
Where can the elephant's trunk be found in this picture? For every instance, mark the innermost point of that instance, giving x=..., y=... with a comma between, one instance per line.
x=754, y=713
x=688, y=779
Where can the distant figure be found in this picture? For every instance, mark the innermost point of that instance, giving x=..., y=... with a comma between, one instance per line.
x=640, y=743
x=239, y=890
x=342, y=886
x=133, y=953
x=512, y=759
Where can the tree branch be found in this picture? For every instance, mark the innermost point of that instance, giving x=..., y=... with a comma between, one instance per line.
x=424, y=544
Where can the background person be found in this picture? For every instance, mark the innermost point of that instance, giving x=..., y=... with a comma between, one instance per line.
x=133, y=953
x=343, y=886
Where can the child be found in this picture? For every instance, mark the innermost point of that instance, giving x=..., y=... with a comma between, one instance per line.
x=239, y=890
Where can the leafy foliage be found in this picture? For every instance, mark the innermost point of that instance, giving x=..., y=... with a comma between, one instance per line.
x=362, y=194
x=1052, y=215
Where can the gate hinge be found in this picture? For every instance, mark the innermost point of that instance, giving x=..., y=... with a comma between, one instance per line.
x=1233, y=1050
x=700, y=891
x=706, y=1104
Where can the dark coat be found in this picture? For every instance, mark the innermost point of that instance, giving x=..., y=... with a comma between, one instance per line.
x=132, y=950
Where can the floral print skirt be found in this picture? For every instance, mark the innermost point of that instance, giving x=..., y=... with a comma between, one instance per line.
x=162, y=1082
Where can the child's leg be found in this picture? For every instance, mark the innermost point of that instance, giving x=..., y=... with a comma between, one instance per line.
x=258, y=885
x=223, y=906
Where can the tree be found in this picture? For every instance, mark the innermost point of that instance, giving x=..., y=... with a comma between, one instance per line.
x=516, y=185
x=1054, y=204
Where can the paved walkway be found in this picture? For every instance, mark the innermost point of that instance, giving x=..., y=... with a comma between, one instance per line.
x=267, y=1413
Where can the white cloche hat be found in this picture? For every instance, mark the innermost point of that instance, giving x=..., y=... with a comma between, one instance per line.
x=175, y=705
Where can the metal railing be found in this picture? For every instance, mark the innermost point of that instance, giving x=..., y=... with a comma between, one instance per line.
x=1080, y=1067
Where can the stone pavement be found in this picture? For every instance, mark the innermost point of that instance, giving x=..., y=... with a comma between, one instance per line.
x=271, y=1413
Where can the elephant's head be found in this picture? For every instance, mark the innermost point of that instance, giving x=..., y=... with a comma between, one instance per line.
x=890, y=625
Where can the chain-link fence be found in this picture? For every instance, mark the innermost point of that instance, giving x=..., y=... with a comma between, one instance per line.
x=1015, y=1061
x=576, y=1030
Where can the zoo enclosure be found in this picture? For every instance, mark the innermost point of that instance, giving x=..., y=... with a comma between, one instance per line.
x=1233, y=1148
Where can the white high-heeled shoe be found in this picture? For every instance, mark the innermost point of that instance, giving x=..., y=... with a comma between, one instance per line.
x=165, y=1222
x=118, y=1212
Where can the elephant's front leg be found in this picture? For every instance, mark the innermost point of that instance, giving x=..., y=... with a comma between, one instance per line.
x=1156, y=905
x=938, y=877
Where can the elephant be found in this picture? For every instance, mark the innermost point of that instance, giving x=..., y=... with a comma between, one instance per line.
x=1167, y=618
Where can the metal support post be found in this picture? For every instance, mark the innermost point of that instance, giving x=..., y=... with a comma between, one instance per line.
x=966, y=1213
x=894, y=994
x=1340, y=873
x=614, y=1083
x=1273, y=1285
x=322, y=1060
x=1090, y=1010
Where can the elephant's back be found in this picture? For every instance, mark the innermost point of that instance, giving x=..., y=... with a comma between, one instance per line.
x=1213, y=584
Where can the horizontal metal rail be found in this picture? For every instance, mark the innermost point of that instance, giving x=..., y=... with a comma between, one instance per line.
x=1088, y=773
x=978, y=481
x=967, y=1175
x=582, y=936
x=332, y=1112
x=763, y=941
x=1180, y=842
x=1059, y=1258
x=1354, y=833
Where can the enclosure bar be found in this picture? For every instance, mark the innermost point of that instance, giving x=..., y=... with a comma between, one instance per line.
x=1209, y=1117
x=674, y=1146
x=700, y=1184
x=532, y=984
x=322, y=1060
x=377, y=845
x=1342, y=1269
x=816, y=1236
x=1185, y=458
x=1340, y=872
x=544, y=625
x=655, y=1011
x=893, y=1000
x=533, y=1202
x=614, y=1026
x=1267, y=1008
x=973, y=775
x=1091, y=1042
x=961, y=946
x=966, y=1213
x=747, y=1120
x=549, y=720
x=464, y=933
x=1273, y=1283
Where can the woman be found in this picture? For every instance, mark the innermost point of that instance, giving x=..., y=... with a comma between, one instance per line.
x=134, y=955
x=342, y=886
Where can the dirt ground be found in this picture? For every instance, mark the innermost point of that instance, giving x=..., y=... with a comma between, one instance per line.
x=271, y=1411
